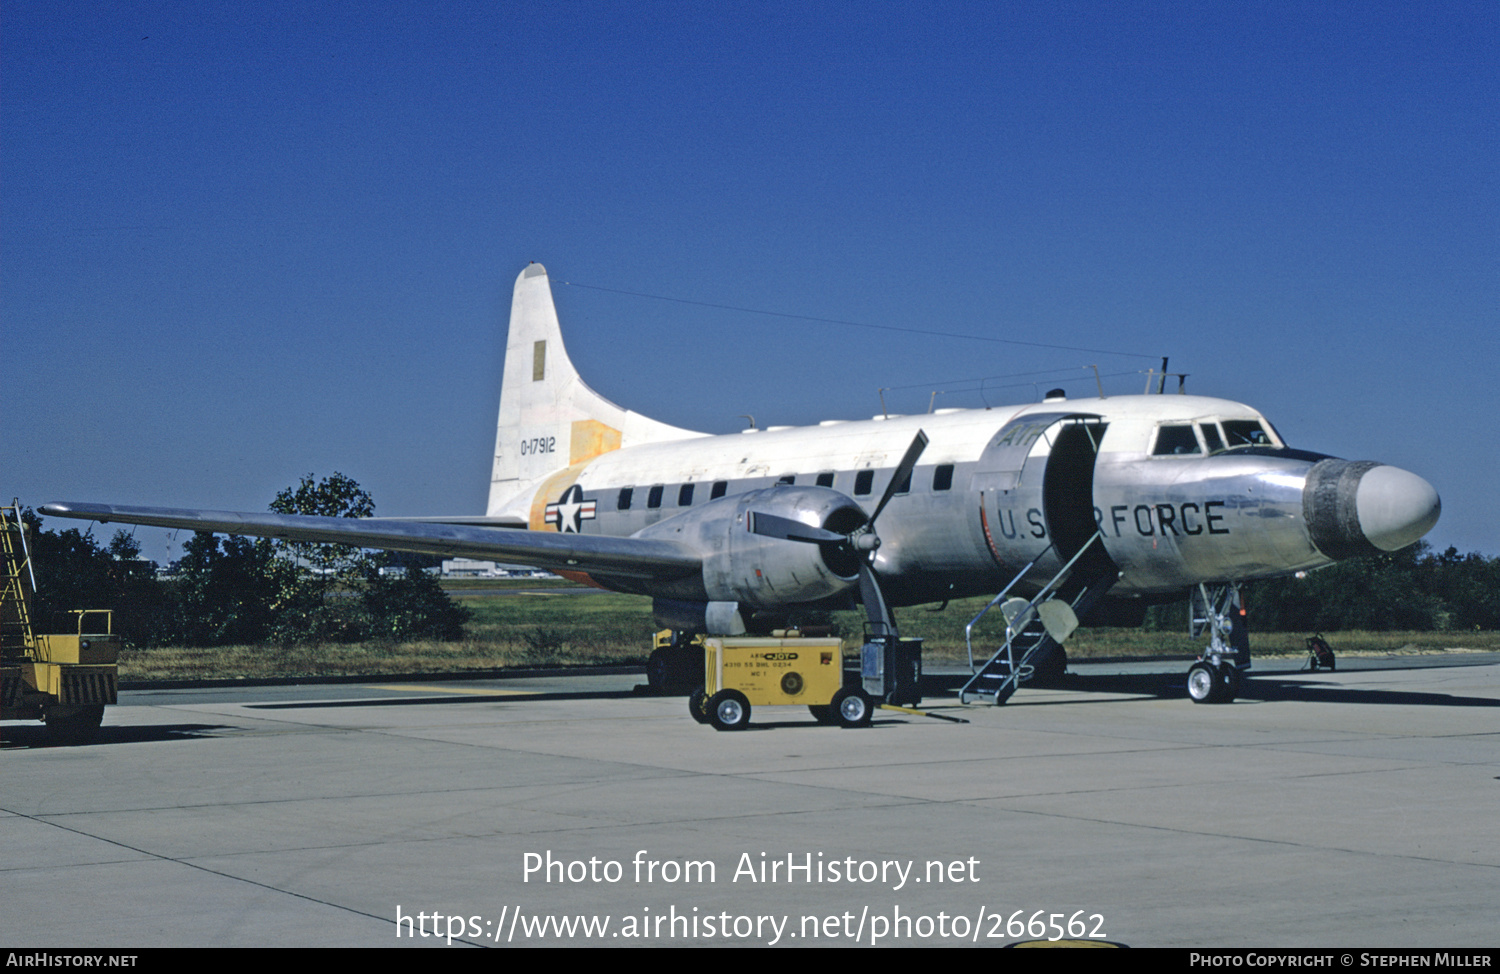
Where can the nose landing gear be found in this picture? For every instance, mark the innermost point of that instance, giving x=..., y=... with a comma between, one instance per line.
x=1213, y=682
x=1215, y=677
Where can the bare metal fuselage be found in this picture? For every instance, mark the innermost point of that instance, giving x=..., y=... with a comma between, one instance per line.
x=1022, y=484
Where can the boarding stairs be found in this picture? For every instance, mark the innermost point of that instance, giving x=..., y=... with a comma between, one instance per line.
x=1037, y=627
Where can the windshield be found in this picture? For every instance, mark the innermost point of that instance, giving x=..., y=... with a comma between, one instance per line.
x=1246, y=432
x=1217, y=436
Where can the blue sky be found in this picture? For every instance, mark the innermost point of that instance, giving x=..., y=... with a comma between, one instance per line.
x=242, y=243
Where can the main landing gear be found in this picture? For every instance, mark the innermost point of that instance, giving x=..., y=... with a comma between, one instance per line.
x=676, y=663
x=1219, y=611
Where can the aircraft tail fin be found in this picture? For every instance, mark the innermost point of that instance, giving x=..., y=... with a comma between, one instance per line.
x=549, y=418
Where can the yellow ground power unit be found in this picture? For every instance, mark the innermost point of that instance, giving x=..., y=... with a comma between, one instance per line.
x=742, y=672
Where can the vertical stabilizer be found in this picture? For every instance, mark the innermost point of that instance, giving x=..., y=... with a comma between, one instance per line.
x=549, y=419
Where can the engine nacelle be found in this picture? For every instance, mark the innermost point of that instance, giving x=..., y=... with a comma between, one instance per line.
x=756, y=570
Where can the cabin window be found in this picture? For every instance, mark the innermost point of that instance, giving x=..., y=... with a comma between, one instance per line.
x=825, y=480
x=863, y=481
x=1246, y=432
x=685, y=495
x=1175, y=441
x=653, y=499
x=904, y=485
x=1211, y=436
x=942, y=477
x=718, y=490
x=626, y=493
x=788, y=479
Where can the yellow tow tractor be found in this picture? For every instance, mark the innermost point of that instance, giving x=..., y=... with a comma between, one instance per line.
x=65, y=680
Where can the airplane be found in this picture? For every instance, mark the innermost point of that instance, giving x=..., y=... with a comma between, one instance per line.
x=1068, y=511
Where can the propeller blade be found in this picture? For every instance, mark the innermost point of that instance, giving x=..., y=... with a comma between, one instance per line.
x=903, y=472
x=776, y=526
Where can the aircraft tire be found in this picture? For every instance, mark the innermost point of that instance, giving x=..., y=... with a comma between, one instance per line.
x=1052, y=670
x=673, y=669
x=728, y=710
x=698, y=704
x=851, y=708
x=1202, y=683
x=658, y=670
x=1228, y=683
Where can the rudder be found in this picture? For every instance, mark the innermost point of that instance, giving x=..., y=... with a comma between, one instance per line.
x=549, y=418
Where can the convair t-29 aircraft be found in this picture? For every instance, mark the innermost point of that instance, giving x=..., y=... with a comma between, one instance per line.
x=1065, y=510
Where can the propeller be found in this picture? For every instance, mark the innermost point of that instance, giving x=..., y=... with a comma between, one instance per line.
x=863, y=539
x=786, y=529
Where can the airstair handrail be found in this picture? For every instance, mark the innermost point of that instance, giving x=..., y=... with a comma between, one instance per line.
x=969, y=629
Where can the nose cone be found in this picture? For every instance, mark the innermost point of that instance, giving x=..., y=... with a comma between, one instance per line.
x=1395, y=507
x=1364, y=508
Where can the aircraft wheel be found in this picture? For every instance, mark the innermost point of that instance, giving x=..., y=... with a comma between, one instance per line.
x=728, y=710
x=698, y=705
x=658, y=670
x=1202, y=683
x=74, y=725
x=1051, y=670
x=674, y=669
x=851, y=707
x=1228, y=683
x=822, y=713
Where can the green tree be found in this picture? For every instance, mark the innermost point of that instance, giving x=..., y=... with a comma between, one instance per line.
x=73, y=572
x=338, y=593
x=316, y=600
x=1469, y=587
x=333, y=496
x=226, y=590
x=411, y=605
x=1407, y=589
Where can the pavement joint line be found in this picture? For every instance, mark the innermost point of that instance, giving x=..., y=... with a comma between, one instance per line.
x=589, y=825
x=249, y=803
x=212, y=872
x=1177, y=830
x=450, y=690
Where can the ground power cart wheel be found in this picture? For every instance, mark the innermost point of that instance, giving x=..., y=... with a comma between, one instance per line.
x=743, y=673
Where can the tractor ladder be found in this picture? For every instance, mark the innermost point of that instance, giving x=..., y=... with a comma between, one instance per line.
x=1035, y=628
x=17, y=639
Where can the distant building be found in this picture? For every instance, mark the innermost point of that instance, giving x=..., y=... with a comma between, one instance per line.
x=468, y=568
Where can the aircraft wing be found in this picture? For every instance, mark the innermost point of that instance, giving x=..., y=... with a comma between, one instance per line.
x=625, y=557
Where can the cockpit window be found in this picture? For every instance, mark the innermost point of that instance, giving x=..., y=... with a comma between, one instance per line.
x=1246, y=432
x=1175, y=441
x=1211, y=436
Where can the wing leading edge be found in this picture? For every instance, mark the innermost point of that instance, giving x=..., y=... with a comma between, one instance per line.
x=593, y=554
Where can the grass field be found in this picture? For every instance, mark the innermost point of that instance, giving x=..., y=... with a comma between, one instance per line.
x=557, y=626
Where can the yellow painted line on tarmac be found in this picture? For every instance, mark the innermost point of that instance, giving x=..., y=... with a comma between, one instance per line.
x=418, y=688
